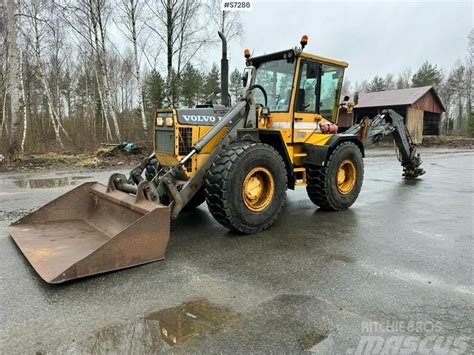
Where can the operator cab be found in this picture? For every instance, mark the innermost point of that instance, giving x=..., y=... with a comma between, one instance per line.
x=304, y=86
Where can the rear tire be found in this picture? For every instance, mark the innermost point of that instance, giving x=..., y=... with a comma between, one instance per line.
x=336, y=185
x=246, y=187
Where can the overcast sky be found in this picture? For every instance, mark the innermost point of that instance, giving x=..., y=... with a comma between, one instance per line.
x=373, y=37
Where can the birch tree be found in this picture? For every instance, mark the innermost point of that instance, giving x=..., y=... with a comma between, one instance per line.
x=13, y=82
x=98, y=19
x=3, y=68
x=88, y=19
x=23, y=98
x=403, y=81
x=181, y=30
x=131, y=12
x=469, y=74
x=228, y=22
x=79, y=17
x=38, y=16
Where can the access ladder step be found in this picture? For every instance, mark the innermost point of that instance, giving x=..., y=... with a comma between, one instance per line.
x=300, y=175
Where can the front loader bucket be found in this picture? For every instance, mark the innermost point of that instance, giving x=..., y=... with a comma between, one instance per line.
x=90, y=230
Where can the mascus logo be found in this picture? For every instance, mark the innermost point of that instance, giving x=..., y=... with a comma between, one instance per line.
x=201, y=118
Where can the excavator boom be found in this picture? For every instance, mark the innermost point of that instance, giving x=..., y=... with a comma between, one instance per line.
x=390, y=123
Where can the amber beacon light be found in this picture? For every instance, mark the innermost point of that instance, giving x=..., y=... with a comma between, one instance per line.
x=304, y=41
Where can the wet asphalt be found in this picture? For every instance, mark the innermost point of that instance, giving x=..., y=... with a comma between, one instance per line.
x=317, y=282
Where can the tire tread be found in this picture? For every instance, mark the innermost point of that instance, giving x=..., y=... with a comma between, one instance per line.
x=217, y=185
x=317, y=182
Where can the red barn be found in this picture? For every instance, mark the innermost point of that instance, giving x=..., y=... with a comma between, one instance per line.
x=421, y=107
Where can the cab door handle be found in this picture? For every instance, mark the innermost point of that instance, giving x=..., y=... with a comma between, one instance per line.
x=298, y=118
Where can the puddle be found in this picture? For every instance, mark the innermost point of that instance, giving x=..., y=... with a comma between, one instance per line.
x=310, y=341
x=342, y=258
x=49, y=183
x=293, y=243
x=189, y=319
x=155, y=332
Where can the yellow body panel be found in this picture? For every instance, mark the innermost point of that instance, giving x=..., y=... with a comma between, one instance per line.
x=166, y=159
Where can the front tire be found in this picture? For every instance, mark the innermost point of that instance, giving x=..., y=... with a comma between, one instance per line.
x=246, y=187
x=336, y=185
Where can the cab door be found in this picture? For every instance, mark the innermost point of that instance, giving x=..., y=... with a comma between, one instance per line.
x=306, y=104
x=316, y=101
x=331, y=85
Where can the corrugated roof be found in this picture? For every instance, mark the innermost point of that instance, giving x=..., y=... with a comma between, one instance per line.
x=399, y=97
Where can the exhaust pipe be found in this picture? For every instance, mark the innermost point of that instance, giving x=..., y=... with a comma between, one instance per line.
x=224, y=72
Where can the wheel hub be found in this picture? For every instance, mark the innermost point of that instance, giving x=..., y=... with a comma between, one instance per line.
x=258, y=189
x=346, y=177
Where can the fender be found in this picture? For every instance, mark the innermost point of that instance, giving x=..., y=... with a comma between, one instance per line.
x=318, y=154
x=274, y=138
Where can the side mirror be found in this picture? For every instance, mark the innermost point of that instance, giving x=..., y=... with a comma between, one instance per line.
x=344, y=104
x=245, y=79
x=248, y=77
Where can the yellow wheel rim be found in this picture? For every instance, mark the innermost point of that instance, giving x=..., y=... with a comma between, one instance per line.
x=346, y=177
x=258, y=189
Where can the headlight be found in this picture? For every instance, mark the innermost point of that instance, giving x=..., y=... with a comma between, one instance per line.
x=169, y=121
x=159, y=121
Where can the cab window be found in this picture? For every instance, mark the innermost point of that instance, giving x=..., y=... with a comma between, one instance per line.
x=306, y=99
x=331, y=81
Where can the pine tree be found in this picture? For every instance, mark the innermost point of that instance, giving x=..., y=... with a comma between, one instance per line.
x=174, y=89
x=212, y=81
x=154, y=91
x=200, y=95
x=191, y=83
x=427, y=75
x=236, y=87
x=377, y=84
x=471, y=125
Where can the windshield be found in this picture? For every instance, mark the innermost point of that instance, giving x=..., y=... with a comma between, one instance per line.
x=276, y=77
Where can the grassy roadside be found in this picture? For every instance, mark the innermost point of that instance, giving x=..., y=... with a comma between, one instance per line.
x=102, y=159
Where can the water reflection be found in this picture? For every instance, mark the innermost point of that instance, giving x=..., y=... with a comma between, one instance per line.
x=49, y=183
x=154, y=332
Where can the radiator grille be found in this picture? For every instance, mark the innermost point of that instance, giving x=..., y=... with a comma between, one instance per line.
x=164, y=138
x=185, y=144
x=185, y=140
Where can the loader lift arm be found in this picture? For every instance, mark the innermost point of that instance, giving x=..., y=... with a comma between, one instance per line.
x=174, y=182
x=388, y=123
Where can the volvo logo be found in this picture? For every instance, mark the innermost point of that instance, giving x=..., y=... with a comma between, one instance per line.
x=201, y=118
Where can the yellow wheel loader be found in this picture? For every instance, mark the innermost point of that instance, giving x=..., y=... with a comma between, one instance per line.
x=239, y=158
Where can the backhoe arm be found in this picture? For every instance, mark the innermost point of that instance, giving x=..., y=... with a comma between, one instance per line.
x=388, y=123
